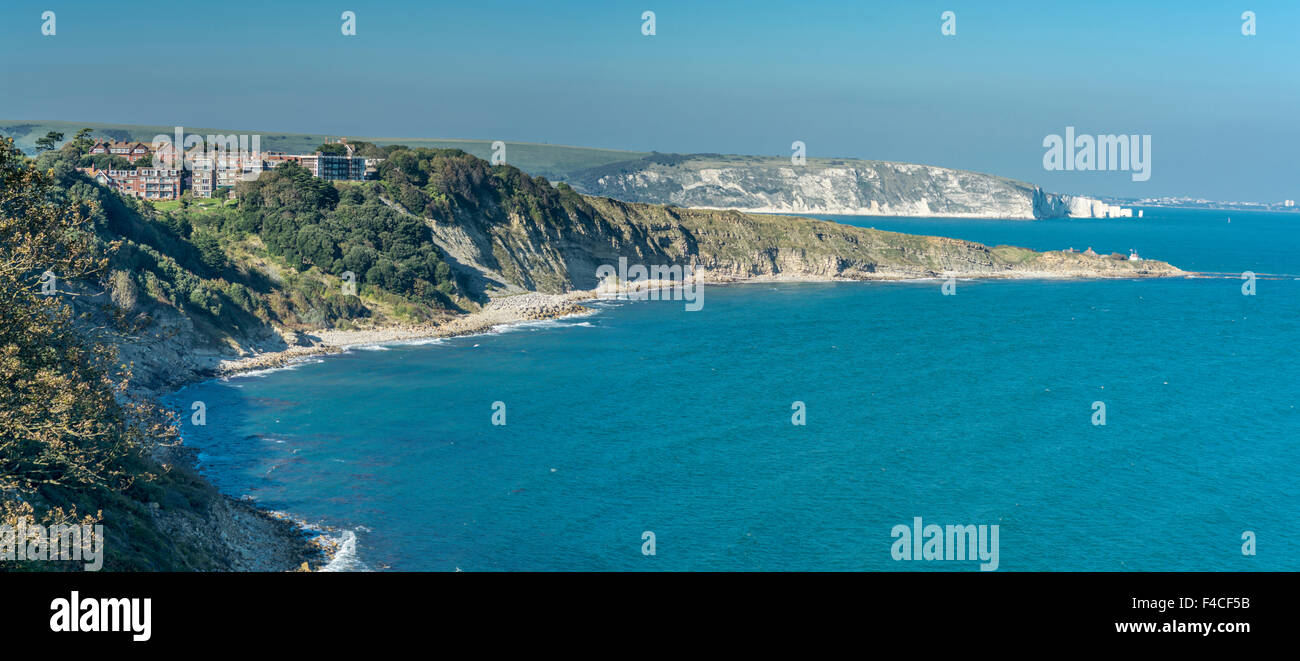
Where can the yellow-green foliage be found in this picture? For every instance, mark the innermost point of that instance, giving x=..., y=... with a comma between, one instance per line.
x=68, y=433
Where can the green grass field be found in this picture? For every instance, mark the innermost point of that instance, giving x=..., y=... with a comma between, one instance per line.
x=196, y=203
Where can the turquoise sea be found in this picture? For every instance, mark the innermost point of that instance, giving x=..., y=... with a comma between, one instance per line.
x=968, y=409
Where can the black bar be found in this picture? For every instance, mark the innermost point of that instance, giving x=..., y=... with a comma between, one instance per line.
x=934, y=611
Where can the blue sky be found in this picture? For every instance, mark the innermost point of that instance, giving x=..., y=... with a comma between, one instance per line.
x=859, y=79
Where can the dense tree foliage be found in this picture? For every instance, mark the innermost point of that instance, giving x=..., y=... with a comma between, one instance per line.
x=311, y=222
x=445, y=184
x=67, y=434
x=333, y=149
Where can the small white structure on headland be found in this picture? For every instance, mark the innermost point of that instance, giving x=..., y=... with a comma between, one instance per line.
x=1133, y=255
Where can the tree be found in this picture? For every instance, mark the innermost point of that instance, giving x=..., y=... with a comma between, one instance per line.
x=123, y=291
x=315, y=246
x=333, y=149
x=49, y=142
x=64, y=424
x=210, y=252
x=82, y=142
x=359, y=258
x=106, y=162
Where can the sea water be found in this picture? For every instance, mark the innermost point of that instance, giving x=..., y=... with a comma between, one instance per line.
x=971, y=409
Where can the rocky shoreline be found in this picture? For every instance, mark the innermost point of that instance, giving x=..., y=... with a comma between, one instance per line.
x=500, y=311
x=536, y=306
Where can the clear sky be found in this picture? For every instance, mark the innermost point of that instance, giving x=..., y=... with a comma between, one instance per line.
x=867, y=79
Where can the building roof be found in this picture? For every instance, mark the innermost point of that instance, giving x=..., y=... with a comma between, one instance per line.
x=113, y=144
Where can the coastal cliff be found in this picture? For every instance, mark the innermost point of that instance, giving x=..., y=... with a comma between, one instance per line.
x=828, y=186
x=502, y=235
x=441, y=244
x=738, y=246
x=511, y=233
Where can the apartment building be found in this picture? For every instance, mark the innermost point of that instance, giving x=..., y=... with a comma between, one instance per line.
x=339, y=168
x=223, y=170
x=203, y=182
x=144, y=184
x=206, y=172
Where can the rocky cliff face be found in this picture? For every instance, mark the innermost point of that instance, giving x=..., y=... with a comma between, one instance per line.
x=507, y=250
x=729, y=245
x=828, y=186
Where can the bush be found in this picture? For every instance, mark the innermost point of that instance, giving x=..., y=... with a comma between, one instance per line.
x=211, y=255
x=122, y=290
x=205, y=299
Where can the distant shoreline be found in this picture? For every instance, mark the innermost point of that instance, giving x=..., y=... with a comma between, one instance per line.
x=520, y=308
x=534, y=306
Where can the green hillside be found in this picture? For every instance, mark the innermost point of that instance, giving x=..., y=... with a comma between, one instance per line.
x=550, y=161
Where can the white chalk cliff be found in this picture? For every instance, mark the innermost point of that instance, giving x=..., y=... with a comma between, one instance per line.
x=830, y=186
